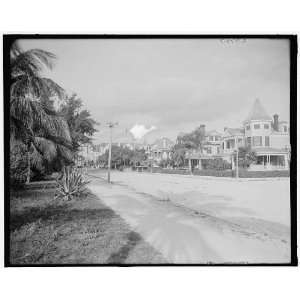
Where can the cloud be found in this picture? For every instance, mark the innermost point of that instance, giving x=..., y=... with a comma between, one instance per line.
x=139, y=130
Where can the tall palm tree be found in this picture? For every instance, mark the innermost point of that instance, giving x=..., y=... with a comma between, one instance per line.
x=33, y=119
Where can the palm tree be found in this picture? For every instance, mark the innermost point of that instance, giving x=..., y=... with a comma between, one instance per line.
x=33, y=119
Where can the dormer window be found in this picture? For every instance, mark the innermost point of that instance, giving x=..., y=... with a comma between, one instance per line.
x=248, y=127
x=266, y=126
x=256, y=126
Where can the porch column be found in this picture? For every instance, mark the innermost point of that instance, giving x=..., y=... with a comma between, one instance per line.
x=200, y=164
x=190, y=164
x=269, y=162
x=286, y=162
x=232, y=163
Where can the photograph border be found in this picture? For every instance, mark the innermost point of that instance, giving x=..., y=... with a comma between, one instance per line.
x=8, y=40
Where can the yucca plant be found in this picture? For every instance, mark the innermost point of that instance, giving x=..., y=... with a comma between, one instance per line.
x=71, y=183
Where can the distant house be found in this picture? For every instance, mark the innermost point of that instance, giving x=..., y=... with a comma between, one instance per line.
x=212, y=143
x=267, y=136
x=160, y=149
x=89, y=153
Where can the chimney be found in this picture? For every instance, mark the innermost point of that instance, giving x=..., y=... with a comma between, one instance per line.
x=225, y=128
x=202, y=129
x=275, y=124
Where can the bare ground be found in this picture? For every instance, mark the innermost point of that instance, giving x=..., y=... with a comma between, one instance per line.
x=194, y=220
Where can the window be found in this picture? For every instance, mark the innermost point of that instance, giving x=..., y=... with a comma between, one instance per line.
x=285, y=128
x=208, y=150
x=256, y=126
x=257, y=141
x=267, y=141
x=266, y=126
x=211, y=138
x=249, y=141
x=248, y=127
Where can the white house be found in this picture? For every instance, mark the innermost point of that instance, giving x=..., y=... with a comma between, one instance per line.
x=160, y=149
x=267, y=136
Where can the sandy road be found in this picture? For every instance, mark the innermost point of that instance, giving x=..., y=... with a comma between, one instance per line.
x=186, y=233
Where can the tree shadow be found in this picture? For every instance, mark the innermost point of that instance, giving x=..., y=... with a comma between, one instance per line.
x=122, y=254
x=56, y=213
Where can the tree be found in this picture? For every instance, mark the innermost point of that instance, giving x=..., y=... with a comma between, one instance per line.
x=138, y=157
x=193, y=140
x=246, y=156
x=80, y=123
x=186, y=142
x=178, y=155
x=164, y=163
x=33, y=120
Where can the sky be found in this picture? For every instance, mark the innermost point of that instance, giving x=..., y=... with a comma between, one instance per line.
x=163, y=87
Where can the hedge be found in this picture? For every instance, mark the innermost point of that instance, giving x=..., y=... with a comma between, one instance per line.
x=170, y=171
x=243, y=173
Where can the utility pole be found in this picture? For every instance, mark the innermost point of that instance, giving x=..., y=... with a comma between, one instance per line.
x=237, y=163
x=111, y=126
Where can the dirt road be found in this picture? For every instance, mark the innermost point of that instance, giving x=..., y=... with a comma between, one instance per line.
x=184, y=227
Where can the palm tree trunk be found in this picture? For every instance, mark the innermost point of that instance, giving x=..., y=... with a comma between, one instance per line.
x=28, y=166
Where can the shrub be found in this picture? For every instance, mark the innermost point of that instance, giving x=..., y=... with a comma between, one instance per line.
x=71, y=183
x=18, y=164
x=216, y=164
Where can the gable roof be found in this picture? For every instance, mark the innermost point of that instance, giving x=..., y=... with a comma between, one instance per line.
x=234, y=131
x=212, y=132
x=258, y=113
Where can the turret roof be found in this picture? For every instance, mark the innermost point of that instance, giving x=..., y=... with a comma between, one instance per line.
x=258, y=113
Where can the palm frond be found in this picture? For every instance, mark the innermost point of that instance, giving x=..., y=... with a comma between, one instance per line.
x=31, y=62
x=47, y=147
x=54, y=126
x=66, y=153
x=40, y=88
x=36, y=159
x=21, y=109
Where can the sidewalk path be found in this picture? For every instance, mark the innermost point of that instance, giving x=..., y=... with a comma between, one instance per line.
x=184, y=235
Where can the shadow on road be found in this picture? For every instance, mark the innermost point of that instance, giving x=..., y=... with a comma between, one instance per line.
x=122, y=254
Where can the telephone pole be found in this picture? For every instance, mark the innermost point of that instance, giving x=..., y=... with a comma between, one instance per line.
x=111, y=126
x=237, y=163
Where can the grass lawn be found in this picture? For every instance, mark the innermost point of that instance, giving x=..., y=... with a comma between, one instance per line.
x=45, y=231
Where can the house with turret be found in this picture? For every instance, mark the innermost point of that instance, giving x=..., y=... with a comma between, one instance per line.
x=267, y=136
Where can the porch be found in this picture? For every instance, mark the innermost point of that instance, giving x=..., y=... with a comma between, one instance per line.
x=270, y=161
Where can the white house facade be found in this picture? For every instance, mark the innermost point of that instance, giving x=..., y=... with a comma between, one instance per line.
x=268, y=137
